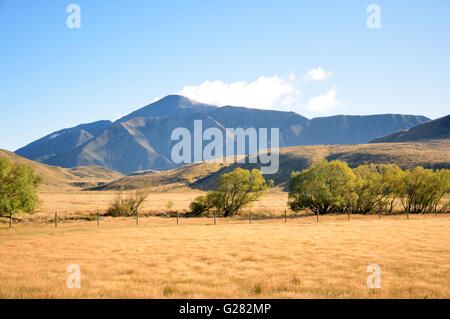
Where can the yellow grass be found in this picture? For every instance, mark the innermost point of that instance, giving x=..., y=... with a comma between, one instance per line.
x=86, y=203
x=268, y=259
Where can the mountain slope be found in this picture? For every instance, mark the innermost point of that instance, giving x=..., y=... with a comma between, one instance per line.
x=355, y=129
x=436, y=129
x=291, y=124
x=135, y=145
x=62, y=141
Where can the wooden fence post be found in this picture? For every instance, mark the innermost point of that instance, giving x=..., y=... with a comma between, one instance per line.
x=285, y=216
x=317, y=216
x=56, y=220
x=137, y=218
x=348, y=214
x=214, y=217
x=10, y=220
x=178, y=217
x=250, y=216
x=98, y=219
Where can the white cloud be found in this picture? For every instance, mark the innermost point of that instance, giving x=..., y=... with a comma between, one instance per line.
x=323, y=103
x=318, y=74
x=265, y=92
x=275, y=92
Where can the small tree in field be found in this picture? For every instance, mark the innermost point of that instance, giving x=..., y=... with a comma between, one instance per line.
x=18, y=188
x=127, y=205
x=323, y=188
x=235, y=190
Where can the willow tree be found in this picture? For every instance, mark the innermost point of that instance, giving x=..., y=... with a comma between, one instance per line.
x=18, y=188
x=235, y=190
x=323, y=188
x=423, y=189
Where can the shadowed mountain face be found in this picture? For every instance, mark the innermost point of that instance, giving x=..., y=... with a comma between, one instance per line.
x=346, y=129
x=436, y=129
x=142, y=139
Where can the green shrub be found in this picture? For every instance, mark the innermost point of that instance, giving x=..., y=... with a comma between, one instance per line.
x=200, y=205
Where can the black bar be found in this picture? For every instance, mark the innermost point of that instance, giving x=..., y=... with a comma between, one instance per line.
x=236, y=308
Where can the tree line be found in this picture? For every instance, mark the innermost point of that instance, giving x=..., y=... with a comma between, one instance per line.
x=333, y=187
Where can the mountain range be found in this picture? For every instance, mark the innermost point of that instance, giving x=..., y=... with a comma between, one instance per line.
x=141, y=140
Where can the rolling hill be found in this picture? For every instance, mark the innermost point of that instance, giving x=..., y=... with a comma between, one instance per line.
x=202, y=175
x=435, y=129
x=142, y=139
x=65, y=179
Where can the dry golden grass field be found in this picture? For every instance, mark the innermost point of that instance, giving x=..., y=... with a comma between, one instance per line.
x=233, y=259
x=79, y=204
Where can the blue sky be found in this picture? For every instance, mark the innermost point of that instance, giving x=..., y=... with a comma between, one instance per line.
x=253, y=53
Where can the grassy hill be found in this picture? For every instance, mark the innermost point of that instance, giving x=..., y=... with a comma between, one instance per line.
x=429, y=154
x=57, y=178
x=175, y=178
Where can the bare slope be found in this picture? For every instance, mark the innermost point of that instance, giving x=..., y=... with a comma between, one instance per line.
x=431, y=154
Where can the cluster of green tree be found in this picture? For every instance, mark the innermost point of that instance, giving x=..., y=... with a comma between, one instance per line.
x=235, y=190
x=18, y=188
x=333, y=187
